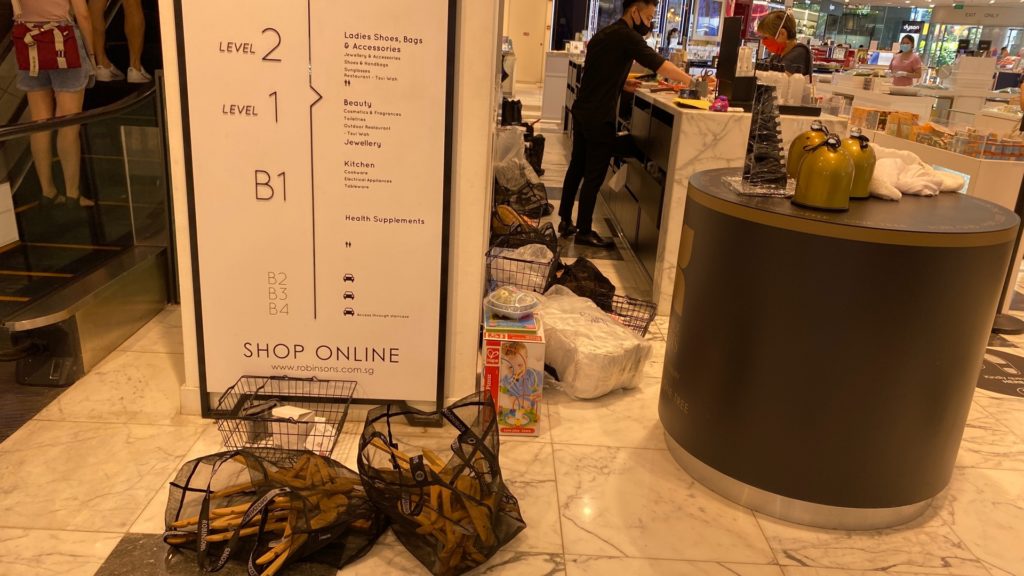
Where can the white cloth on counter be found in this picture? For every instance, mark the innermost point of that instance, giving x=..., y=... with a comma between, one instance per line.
x=592, y=352
x=899, y=172
x=527, y=267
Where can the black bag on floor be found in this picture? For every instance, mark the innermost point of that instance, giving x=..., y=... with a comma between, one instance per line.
x=585, y=280
x=234, y=504
x=535, y=153
x=444, y=495
x=511, y=112
x=517, y=238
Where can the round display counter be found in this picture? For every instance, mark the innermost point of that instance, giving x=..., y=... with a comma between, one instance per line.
x=820, y=366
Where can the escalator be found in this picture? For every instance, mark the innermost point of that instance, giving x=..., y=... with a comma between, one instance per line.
x=76, y=281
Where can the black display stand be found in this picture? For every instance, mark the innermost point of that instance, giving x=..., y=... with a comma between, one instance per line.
x=765, y=163
x=807, y=375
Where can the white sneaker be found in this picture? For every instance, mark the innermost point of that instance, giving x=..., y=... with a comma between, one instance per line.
x=110, y=74
x=139, y=76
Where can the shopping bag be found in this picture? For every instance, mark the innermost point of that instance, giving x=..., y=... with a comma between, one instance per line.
x=235, y=503
x=445, y=497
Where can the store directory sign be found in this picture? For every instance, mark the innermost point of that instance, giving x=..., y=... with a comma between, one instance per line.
x=318, y=151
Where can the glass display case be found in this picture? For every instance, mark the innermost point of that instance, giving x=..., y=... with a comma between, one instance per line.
x=958, y=135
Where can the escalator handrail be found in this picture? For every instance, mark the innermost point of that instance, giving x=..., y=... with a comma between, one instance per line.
x=109, y=111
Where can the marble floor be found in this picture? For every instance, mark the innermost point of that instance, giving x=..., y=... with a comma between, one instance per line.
x=83, y=487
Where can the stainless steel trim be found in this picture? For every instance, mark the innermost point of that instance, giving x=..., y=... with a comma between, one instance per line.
x=790, y=509
x=120, y=309
x=67, y=302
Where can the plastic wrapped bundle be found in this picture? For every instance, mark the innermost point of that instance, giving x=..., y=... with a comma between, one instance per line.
x=592, y=352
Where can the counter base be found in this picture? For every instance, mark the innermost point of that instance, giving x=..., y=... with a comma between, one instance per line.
x=790, y=509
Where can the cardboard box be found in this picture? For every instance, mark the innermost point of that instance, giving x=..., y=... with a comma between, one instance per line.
x=514, y=373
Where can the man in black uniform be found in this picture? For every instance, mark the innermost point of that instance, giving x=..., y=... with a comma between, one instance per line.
x=610, y=55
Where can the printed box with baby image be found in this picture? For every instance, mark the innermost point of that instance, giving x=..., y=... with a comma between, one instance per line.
x=514, y=372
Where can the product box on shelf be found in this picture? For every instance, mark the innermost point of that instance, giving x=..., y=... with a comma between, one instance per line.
x=879, y=119
x=901, y=124
x=514, y=373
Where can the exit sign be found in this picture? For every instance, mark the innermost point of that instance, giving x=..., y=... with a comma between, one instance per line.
x=958, y=6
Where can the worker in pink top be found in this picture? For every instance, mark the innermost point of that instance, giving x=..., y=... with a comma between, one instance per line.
x=906, y=66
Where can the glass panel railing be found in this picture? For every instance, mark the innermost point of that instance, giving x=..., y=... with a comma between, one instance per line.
x=48, y=243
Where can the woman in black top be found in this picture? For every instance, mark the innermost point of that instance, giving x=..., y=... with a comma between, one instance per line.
x=778, y=33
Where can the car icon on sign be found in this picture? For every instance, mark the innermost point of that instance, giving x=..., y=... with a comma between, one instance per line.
x=349, y=296
x=348, y=278
x=349, y=312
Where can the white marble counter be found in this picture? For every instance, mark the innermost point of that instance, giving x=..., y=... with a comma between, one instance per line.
x=701, y=141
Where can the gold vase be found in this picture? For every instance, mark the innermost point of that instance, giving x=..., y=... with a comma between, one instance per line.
x=826, y=176
x=816, y=135
x=859, y=150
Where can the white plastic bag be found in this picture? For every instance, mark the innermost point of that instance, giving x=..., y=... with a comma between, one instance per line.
x=527, y=267
x=510, y=143
x=514, y=173
x=592, y=353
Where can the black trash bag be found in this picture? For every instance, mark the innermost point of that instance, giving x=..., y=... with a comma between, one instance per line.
x=585, y=280
x=445, y=496
x=313, y=509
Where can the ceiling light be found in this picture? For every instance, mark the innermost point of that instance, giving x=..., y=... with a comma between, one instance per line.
x=991, y=1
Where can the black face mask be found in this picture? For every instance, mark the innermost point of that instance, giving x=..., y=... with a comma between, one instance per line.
x=641, y=28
